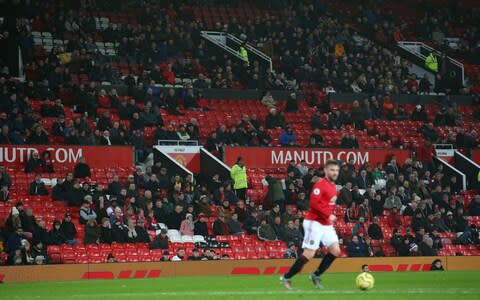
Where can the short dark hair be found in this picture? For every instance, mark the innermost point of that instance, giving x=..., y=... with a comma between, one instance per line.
x=331, y=162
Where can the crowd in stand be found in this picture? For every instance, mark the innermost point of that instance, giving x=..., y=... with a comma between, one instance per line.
x=166, y=44
x=435, y=25
x=151, y=200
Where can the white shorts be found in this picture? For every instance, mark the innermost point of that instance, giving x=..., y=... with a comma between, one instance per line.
x=316, y=233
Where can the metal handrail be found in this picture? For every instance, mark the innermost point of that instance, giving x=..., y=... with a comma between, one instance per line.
x=177, y=143
x=421, y=44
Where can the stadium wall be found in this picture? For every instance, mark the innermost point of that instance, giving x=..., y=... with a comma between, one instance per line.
x=112, y=271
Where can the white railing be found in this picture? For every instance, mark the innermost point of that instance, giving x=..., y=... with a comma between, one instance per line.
x=414, y=48
x=220, y=39
x=177, y=143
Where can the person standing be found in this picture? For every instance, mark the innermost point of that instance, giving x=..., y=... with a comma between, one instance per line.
x=238, y=174
x=318, y=227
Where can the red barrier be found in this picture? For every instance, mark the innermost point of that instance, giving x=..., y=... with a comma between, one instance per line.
x=98, y=156
x=224, y=267
x=280, y=157
x=476, y=156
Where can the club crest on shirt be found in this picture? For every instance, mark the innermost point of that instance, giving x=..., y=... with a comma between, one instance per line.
x=311, y=242
x=316, y=191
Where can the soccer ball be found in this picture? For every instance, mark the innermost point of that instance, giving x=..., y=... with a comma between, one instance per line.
x=365, y=281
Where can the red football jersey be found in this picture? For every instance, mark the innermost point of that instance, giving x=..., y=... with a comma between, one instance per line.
x=322, y=201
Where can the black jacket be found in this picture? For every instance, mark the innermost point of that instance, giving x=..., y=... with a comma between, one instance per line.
x=142, y=235
x=105, y=235
x=38, y=189
x=57, y=237
x=159, y=243
x=41, y=235
x=201, y=228
x=68, y=229
x=81, y=170
x=59, y=192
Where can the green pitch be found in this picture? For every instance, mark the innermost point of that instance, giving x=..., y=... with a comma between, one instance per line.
x=422, y=285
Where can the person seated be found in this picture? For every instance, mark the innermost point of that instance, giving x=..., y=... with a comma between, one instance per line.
x=34, y=163
x=288, y=138
x=37, y=187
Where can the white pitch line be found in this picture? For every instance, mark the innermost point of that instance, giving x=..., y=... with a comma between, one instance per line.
x=432, y=291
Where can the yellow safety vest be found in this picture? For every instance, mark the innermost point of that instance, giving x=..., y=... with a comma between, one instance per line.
x=431, y=62
x=244, y=54
x=239, y=177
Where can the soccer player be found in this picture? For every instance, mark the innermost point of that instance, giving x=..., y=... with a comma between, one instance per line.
x=318, y=227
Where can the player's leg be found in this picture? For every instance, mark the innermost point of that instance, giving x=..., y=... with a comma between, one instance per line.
x=331, y=241
x=310, y=245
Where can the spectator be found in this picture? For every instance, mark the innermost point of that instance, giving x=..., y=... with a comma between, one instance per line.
x=187, y=226
x=68, y=229
x=291, y=251
x=292, y=234
x=160, y=241
x=41, y=234
x=81, y=169
x=183, y=134
x=267, y=99
x=274, y=120
x=349, y=141
x=288, y=138
x=14, y=241
x=59, y=128
x=419, y=114
x=265, y=232
x=234, y=226
x=46, y=162
x=393, y=219
x=436, y=265
x=252, y=224
x=86, y=212
x=105, y=231
x=91, y=232
x=392, y=201
x=105, y=139
x=275, y=194
x=356, y=248
x=474, y=208
x=180, y=255
x=352, y=213
x=292, y=103
x=201, y=226
x=132, y=235
x=359, y=228
x=374, y=230
x=56, y=235
x=196, y=256
x=39, y=136
x=4, y=193
x=220, y=227
x=172, y=102
x=176, y=217
x=37, y=187
x=426, y=248
x=34, y=163
x=165, y=256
